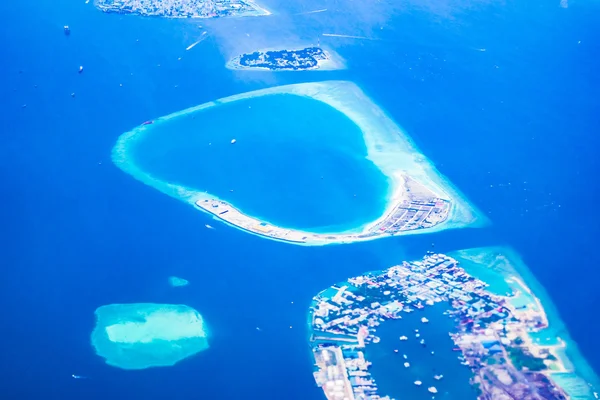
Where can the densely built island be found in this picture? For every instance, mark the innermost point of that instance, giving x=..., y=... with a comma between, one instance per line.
x=508, y=341
x=415, y=208
x=183, y=8
x=309, y=58
x=419, y=198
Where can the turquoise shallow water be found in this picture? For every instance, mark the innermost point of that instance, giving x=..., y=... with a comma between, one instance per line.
x=307, y=171
x=396, y=381
x=494, y=271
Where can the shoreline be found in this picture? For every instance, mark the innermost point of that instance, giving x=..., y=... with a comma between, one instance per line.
x=388, y=147
x=257, y=11
x=574, y=372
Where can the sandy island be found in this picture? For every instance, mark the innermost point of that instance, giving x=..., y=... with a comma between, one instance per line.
x=419, y=200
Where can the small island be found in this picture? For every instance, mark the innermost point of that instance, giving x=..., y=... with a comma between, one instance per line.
x=144, y=335
x=309, y=58
x=183, y=8
x=508, y=342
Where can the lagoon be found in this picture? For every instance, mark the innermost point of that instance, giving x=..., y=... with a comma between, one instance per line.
x=396, y=381
x=418, y=198
x=307, y=170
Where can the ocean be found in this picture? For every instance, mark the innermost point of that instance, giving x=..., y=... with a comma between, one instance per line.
x=500, y=96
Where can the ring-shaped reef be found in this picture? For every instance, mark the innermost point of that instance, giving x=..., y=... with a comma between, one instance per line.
x=355, y=175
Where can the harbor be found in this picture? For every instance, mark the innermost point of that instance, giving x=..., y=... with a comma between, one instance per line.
x=488, y=333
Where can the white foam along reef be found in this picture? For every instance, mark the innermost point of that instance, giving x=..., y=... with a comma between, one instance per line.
x=145, y=335
x=388, y=147
x=507, y=268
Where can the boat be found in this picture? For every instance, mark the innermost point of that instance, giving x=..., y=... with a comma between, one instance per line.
x=148, y=123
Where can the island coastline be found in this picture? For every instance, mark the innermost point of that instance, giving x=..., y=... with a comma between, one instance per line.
x=573, y=372
x=390, y=149
x=497, y=338
x=196, y=9
x=330, y=60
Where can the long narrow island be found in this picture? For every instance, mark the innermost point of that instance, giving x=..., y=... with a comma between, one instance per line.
x=183, y=8
x=507, y=343
x=309, y=58
x=415, y=207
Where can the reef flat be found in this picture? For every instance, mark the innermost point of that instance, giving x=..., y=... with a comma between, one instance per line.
x=309, y=58
x=419, y=199
x=144, y=335
x=509, y=344
x=178, y=282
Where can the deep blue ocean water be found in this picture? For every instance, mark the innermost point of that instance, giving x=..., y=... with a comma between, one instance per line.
x=512, y=127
